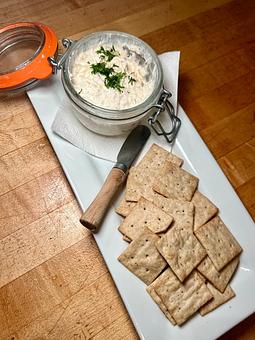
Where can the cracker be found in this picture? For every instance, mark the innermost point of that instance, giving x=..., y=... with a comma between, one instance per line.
x=150, y=289
x=218, y=279
x=136, y=185
x=218, y=299
x=183, y=299
x=142, y=257
x=156, y=156
x=204, y=209
x=124, y=207
x=145, y=214
x=220, y=244
x=140, y=179
x=175, y=182
x=182, y=211
x=139, y=185
x=174, y=159
x=125, y=238
x=181, y=250
x=202, y=277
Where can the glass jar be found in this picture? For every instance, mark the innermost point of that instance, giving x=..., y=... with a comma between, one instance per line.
x=29, y=53
x=108, y=121
x=24, y=51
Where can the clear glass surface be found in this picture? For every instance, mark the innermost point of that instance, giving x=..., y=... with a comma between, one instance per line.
x=19, y=46
x=86, y=108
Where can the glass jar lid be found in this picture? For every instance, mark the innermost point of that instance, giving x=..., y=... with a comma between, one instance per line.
x=24, y=52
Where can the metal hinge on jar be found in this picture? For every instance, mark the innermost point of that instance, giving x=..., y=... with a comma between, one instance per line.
x=162, y=105
x=57, y=64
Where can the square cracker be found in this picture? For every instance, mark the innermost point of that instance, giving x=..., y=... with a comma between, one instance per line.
x=218, y=279
x=150, y=289
x=181, y=250
x=218, y=299
x=220, y=244
x=175, y=182
x=140, y=179
x=182, y=211
x=145, y=214
x=138, y=185
x=204, y=209
x=125, y=238
x=155, y=157
x=142, y=257
x=174, y=159
x=125, y=207
x=202, y=277
x=183, y=299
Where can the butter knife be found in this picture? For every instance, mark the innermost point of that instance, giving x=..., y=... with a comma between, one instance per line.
x=93, y=216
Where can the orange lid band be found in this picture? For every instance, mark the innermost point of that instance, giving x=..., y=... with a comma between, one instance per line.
x=39, y=68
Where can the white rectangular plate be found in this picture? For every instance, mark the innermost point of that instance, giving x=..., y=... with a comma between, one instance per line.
x=86, y=175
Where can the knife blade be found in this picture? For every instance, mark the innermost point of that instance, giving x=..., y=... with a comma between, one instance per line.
x=93, y=216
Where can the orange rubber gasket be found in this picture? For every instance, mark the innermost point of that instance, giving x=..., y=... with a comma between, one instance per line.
x=39, y=68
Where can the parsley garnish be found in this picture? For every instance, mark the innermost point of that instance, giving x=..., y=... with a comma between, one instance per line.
x=112, y=79
x=131, y=80
x=101, y=68
x=107, y=54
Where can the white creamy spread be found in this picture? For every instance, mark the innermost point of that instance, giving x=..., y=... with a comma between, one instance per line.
x=136, y=77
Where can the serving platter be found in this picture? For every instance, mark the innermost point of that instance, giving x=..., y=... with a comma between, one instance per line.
x=86, y=174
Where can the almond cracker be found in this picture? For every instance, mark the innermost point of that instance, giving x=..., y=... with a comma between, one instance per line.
x=218, y=299
x=220, y=244
x=145, y=214
x=204, y=209
x=125, y=238
x=150, y=289
x=182, y=211
x=175, y=182
x=125, y=207
x=181, y=250
x=142, y=257
x=140, y=179
x=182, y=299
x=218, y=279
x=156, y=157
x=138, y=185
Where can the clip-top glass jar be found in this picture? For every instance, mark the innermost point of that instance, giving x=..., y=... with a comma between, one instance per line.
x=24, y=51
x=29, y=53
x=115, y=122
x=99, y=119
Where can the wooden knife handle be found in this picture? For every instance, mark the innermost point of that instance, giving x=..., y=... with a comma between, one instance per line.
x=93, y=216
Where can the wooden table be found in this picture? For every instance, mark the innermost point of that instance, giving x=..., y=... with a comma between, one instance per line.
x=54, y=283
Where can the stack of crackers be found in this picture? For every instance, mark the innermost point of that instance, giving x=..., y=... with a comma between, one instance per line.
x=179, y=246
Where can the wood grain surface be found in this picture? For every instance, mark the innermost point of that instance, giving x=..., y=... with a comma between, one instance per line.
x=53, y=281
x=92, y=218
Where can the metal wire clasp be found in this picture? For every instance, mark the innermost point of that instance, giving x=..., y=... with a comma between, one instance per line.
x=57, y=64
x=164, y=104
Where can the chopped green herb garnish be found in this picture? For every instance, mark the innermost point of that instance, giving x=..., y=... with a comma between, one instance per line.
x=101, y=68
x=107, y=54
x=80, y=91
x=131, y=80
x=114, y=81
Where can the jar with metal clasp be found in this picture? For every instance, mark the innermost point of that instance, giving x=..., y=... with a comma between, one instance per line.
x=29, y=54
